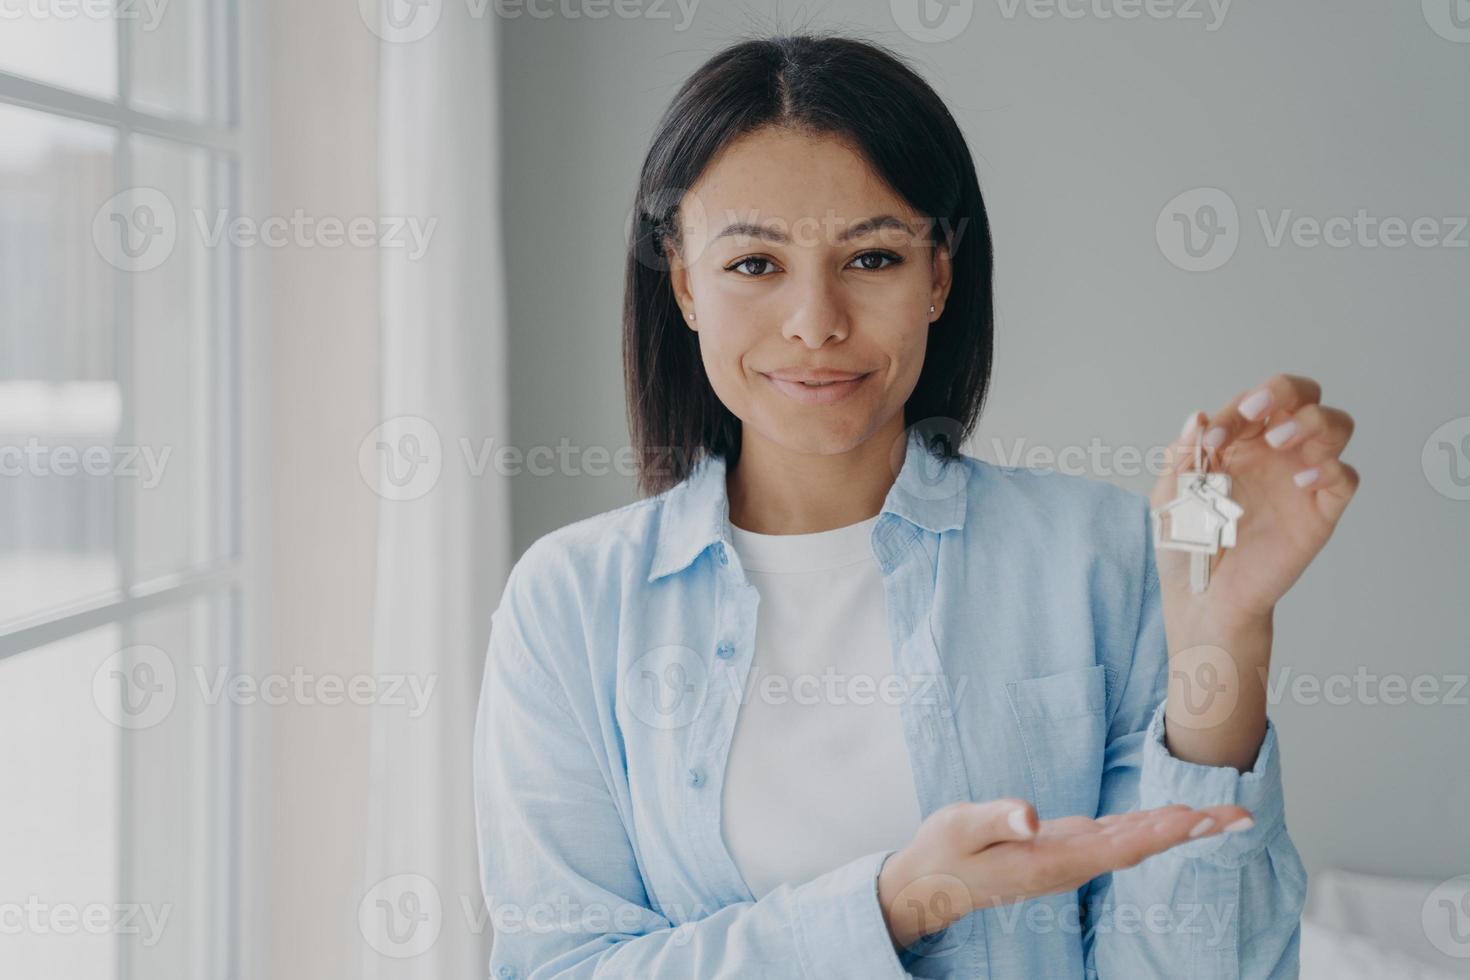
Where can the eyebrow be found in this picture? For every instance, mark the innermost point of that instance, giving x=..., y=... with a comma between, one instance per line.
x=863, y=227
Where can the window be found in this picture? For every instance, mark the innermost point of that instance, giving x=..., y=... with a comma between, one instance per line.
x=121, y=582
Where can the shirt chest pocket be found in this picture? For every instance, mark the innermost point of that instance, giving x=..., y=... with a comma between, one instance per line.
x=1062, y=722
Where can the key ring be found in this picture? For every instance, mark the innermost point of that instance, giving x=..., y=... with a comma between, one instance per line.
x=1201, y=457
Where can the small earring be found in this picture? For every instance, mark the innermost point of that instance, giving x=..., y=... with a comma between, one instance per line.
x=931, y=307
x=690, y=315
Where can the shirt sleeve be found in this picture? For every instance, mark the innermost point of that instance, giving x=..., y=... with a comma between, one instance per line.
x=1228, y=905
x=561, y=879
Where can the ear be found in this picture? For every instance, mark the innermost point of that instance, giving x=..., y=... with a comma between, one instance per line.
x=941, y=265
x=679, y=283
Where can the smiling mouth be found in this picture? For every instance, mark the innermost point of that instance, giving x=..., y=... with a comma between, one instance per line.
x=818, y=392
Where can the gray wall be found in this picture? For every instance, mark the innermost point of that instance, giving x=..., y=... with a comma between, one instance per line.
x=1084, y=129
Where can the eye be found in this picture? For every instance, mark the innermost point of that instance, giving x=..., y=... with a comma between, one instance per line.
x=756, y=259
x=867, y=266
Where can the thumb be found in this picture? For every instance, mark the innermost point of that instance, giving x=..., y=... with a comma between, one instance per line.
x=999, y=820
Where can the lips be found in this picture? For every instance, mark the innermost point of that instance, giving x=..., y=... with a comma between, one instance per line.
x=837, y=386
x=815, y=374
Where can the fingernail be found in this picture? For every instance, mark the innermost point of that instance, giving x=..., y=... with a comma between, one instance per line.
x=1282, y=432
x=1214, y=437
x=1305, y=476
x=1202, y=826
x=1244, y=823
x=1255, y=403
x=1189, y=424
x=1017, y=820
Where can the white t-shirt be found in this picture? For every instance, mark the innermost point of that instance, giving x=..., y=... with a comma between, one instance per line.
x=819, y=772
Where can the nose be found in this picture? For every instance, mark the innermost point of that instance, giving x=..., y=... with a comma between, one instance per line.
x=819, y=311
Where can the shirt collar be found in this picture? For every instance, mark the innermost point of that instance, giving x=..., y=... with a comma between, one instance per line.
x=929, y=492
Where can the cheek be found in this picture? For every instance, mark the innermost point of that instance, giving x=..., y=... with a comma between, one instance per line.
x=723, y=351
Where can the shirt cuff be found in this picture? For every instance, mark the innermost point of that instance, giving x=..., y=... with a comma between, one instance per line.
x=1166, y=779
x=839, y=924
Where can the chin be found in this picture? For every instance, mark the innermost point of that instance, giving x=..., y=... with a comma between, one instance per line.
x=811, y=437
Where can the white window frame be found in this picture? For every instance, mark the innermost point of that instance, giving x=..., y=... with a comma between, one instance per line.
x=236, y=579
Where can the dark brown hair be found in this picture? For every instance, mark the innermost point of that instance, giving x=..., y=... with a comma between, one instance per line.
x=829, y=85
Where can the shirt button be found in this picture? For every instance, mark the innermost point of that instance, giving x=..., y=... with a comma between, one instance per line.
x=696, y=777
x=725, y=651
x=506, y=971
x=720, y=554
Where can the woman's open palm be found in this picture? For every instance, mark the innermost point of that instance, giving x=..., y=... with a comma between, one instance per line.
x=975, y=855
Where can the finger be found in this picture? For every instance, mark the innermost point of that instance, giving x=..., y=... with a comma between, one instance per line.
x=1118, y=822
x=1334, y=482
x=976, y=826
x=1179, y=457
x=1229, y=817
x=1246, y=415
x=1127, y=840
x=1184, y=824
x=1127, y=848
x=1069, y=826
x=1320, y=431
x=1182, y=450
x=1063, y=861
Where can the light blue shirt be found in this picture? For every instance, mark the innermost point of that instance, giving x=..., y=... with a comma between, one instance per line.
x=1023, y=608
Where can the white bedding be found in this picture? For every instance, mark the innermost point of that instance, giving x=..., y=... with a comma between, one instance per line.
x=1372, y=927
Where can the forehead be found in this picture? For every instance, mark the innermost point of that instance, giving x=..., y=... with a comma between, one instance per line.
x=782, y=176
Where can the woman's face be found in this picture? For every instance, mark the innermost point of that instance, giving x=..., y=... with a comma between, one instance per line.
x=797, y=260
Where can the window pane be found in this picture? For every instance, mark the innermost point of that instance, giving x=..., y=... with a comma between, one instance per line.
x=175, y=764
x=170, y=59
x=73, y=45
x=114, y=751
x=59, y=401
x=176, y=398
x=59, y=825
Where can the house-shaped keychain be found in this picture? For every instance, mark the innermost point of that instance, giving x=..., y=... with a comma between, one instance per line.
x=1201, y=520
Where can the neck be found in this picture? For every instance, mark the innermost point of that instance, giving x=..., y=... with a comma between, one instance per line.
x=773, y=490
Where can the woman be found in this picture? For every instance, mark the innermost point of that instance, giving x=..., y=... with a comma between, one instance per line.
x=979, y=727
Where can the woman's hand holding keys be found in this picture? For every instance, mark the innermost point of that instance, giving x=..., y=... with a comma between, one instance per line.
x=973, y=855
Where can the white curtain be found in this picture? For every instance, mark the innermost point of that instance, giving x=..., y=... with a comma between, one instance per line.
x=443, y=553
